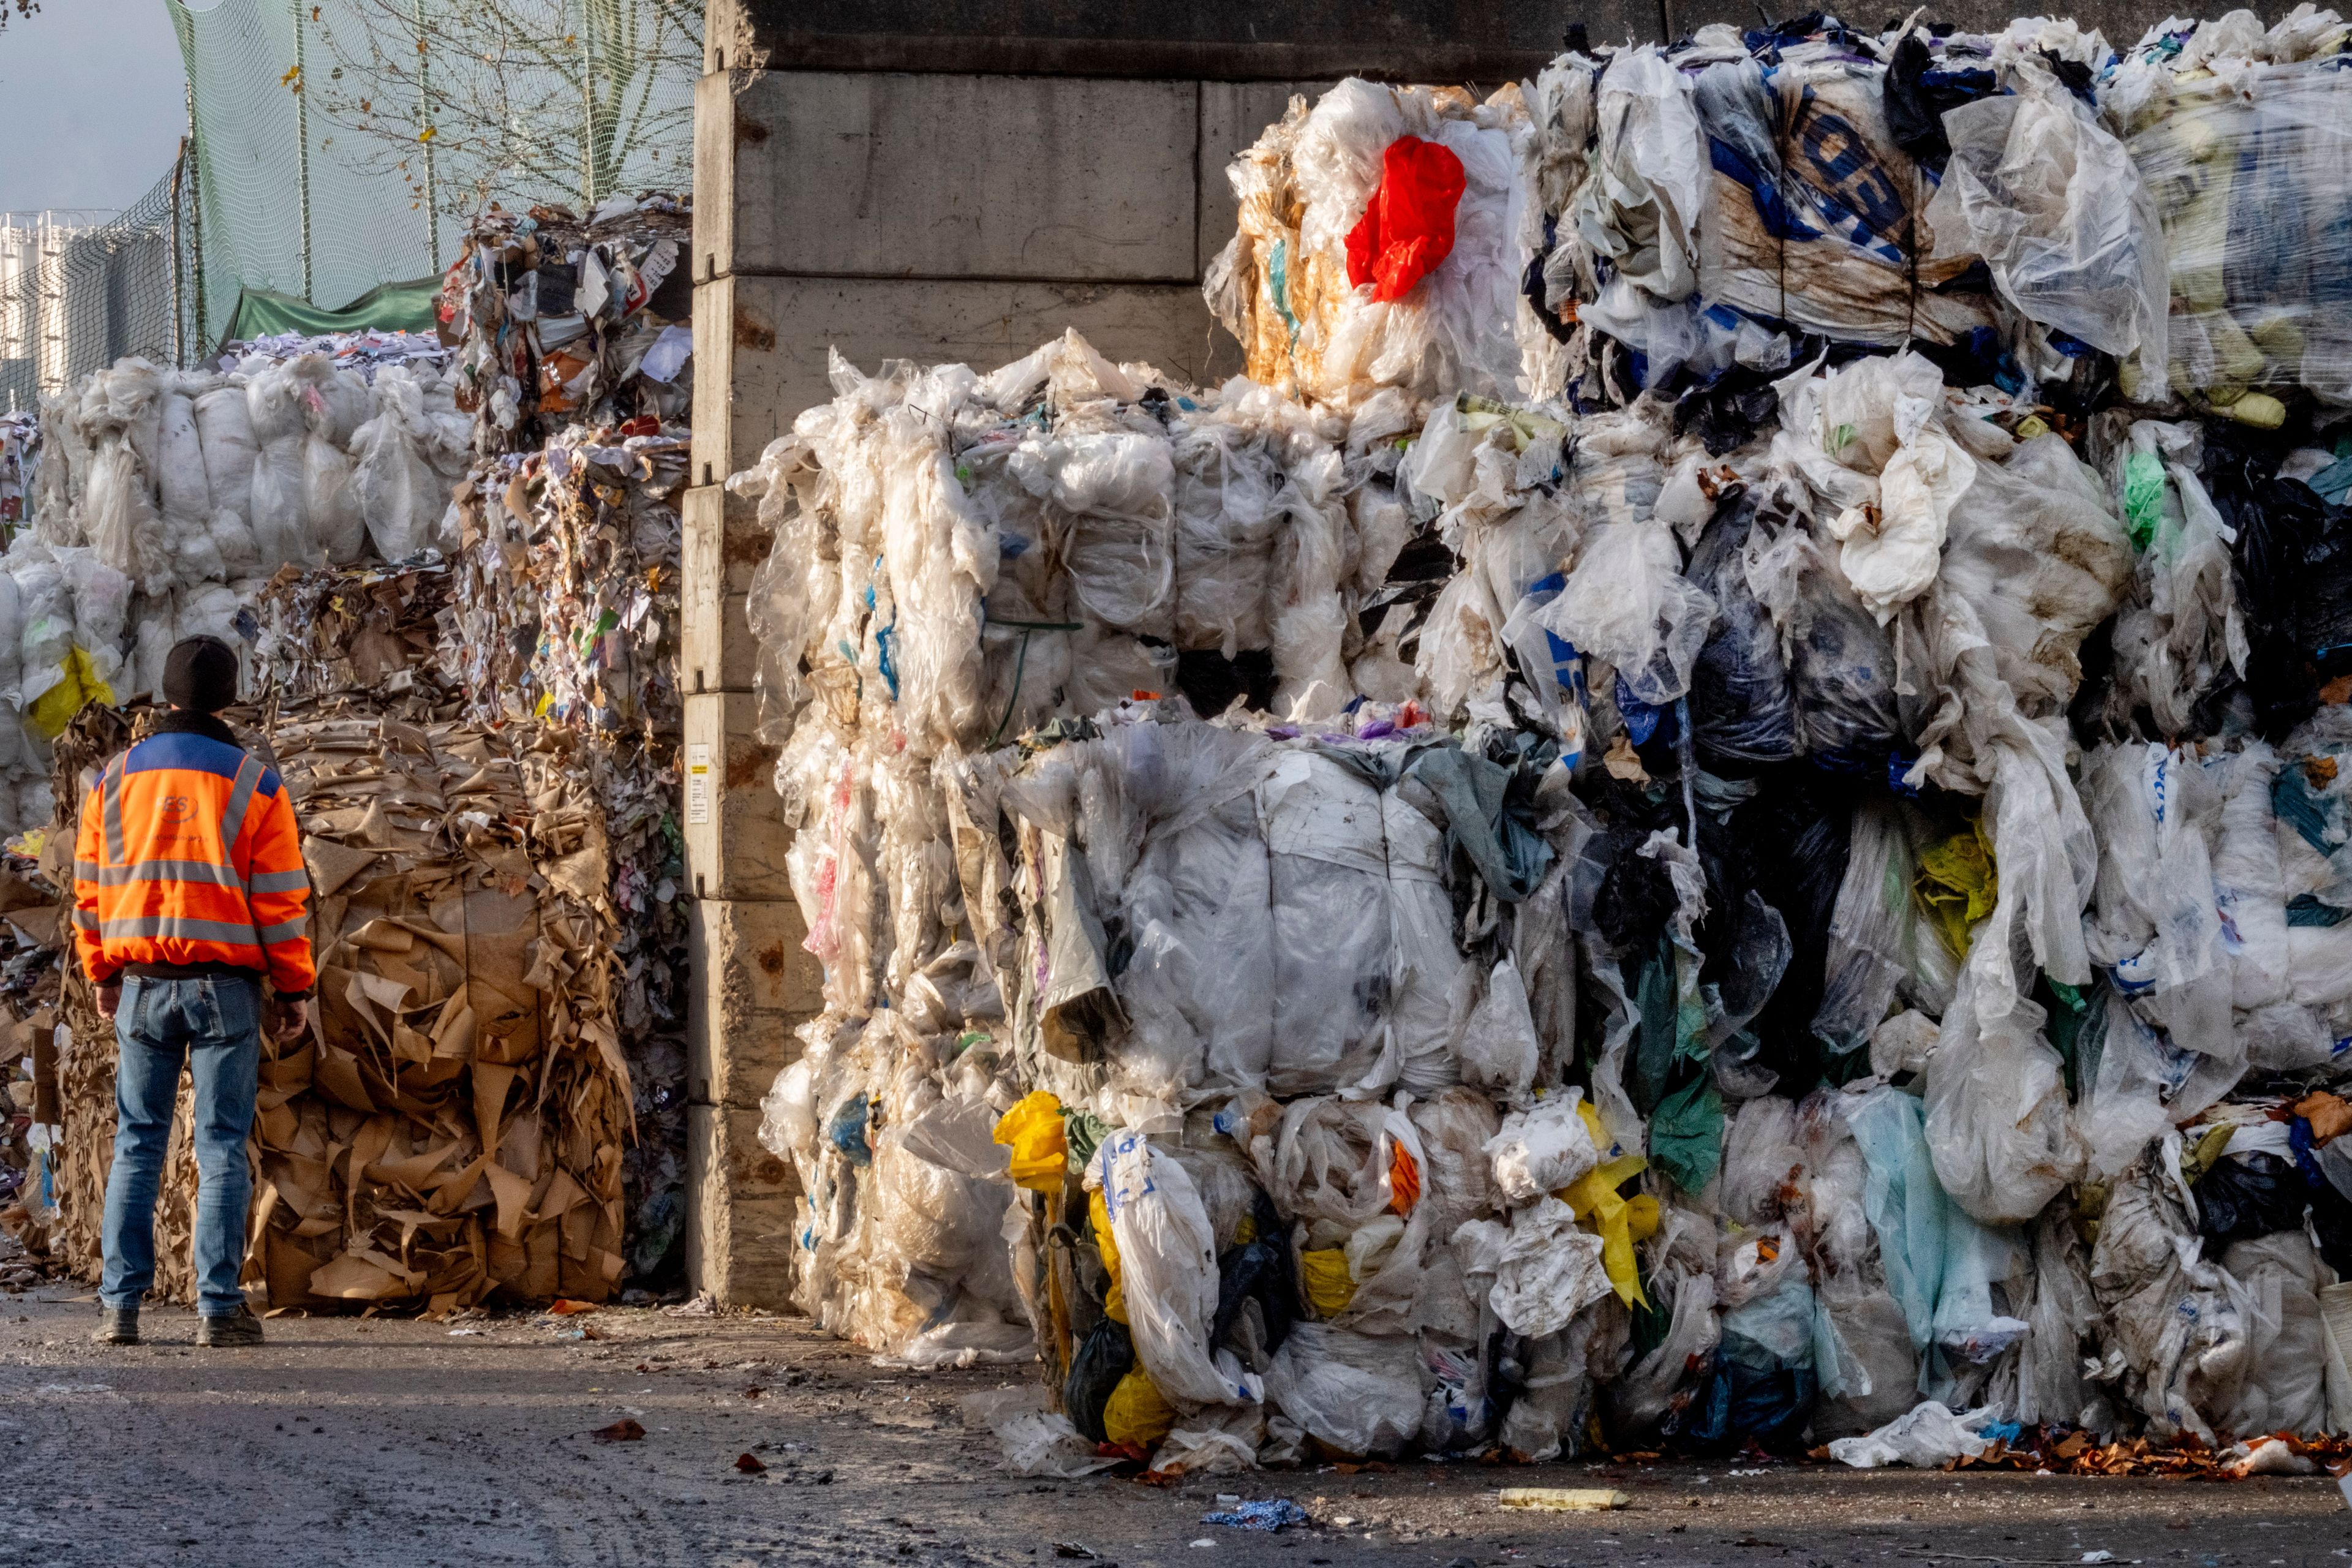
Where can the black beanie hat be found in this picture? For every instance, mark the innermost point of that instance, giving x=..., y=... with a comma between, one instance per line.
x=200, y=674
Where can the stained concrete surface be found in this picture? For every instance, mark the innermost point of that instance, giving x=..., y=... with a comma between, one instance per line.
x=397, y=1443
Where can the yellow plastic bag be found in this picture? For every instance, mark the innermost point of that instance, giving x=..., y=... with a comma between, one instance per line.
x=1956, y=884
x=1041, y=1149
x=1135, y=1414
x=1115, y=1300
x=53, y=710
x=1329, y=1286
x=1619, y=1222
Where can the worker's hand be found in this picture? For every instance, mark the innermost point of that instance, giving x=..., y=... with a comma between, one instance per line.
x=287, y=1016
x=110, y=997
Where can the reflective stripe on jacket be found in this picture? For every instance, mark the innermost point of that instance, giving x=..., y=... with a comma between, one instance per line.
x=188, y=854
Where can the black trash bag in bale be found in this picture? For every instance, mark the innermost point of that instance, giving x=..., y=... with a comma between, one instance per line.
x=2247, y=1196
x=1741, y=709
x=1840, y=675
x=1728, y=410
x=1742, y=1400
x=1261, y=1270
x=1919, y=94
x=1105, y=1355
x=1794, y=837
x=2293, y=566
x=1636, y=895
x=2331, y=1222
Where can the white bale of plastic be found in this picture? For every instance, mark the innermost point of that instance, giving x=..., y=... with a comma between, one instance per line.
x=101, y=609
x=278, y=511
x=180, y=476
x=123, y=411
x=1167, y=1274
x=227, y=443
x=400, y=497
x=2285, y=1389
x=157, y=632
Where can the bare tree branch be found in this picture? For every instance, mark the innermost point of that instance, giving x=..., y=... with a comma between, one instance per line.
x=517, y=100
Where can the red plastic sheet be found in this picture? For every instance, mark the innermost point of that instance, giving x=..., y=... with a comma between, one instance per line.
x=1408, y=227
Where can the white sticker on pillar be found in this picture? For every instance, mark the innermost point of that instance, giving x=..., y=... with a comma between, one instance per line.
x=698, y=783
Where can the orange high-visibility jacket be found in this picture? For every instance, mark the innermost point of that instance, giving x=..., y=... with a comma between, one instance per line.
x=189, y=857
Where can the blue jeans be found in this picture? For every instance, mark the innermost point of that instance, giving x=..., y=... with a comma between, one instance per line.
x=213, y=1022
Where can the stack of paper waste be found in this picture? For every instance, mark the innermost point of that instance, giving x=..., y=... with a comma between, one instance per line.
x=561, y=320
x=1713, y=808
x=564, y=618
x=453, y=1123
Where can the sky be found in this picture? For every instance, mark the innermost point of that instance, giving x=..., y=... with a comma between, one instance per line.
x=96, y=103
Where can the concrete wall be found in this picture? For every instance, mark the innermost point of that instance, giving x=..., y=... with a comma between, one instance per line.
x=945, y=180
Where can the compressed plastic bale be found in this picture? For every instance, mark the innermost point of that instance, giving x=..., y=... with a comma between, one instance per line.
x=2178, y=1319
x=399, y=496
x=1500, y=1050
x=1641, y=209
x=1550, y=1417
x=227, y=444
x=1327, y=1159
x=180, y=476
x=1355, y=1393
x=1431, y=978
x=1762, y=1161
x=1544, y=1269
x=2285, y=1386
x=2055, y=205
x=1996, y=1113
x=1225, y=517
x=119, y=510
x=1327, y=879
x=277, y=507
x=1455, y=1127
x=1197, y=901
x=158, y=630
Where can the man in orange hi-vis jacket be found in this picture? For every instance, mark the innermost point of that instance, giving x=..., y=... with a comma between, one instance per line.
x=189, y=889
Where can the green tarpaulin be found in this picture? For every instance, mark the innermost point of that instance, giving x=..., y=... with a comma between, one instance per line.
x=388, y=307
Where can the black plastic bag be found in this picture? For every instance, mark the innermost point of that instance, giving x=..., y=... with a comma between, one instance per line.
x=2245, y=1197
x=1741, y=709
x=1261, y=1270
x=1918, y=96
x=1104, y=1356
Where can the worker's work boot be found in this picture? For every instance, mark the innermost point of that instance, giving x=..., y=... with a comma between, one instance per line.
x=229, y=1331
x=117, y=1327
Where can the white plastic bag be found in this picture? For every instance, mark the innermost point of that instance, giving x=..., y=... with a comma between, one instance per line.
x=1168, y=1273
x=1928, y=1437
x=1541, y=1149
x=1628, y=603
x=1358, y=1393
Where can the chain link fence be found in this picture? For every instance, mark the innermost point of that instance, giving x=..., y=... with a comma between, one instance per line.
x=78, y=291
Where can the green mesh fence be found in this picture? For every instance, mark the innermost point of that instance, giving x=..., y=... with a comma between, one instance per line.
x=344, y=143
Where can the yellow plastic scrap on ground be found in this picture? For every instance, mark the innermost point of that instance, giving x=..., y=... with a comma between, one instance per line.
x=1136, y=1413
x=1041, y=1149
x=1114, y=1300
x=1564, y=1499
x=1619, y=1221
x=1329, y=1286
x=53, y=710
x=1956, y=884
